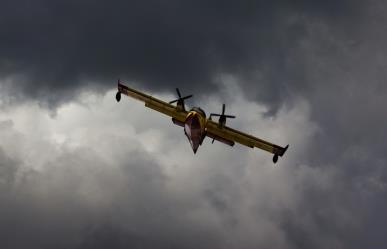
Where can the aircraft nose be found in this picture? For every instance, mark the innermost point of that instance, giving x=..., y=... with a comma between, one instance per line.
x=193, y=132
x=194, y=146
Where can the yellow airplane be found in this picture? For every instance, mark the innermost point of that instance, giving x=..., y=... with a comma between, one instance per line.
x=197, y=126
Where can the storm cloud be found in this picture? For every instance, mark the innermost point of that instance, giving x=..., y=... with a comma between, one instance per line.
x=51, y=49
x=99, y=174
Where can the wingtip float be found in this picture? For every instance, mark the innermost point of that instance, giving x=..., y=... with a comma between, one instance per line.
x=197, y=126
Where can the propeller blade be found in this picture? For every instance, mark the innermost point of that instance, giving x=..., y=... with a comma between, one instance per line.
x=223, y=109
x=187, y=97
x=178, y=92
x=173, y=101
x=229, y=116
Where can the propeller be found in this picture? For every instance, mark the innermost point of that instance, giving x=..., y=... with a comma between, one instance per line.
x=222, y=118
x=180, y=100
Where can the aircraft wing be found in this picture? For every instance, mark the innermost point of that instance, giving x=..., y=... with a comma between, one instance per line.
x=230, y=135
x=153, y=103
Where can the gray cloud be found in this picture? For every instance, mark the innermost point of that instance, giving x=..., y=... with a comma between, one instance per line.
x=122, y=184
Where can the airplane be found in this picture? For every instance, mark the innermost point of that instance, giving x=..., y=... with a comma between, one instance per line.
x=197, y=126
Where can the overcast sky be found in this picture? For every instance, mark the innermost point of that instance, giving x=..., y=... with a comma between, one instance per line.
x=79, y=170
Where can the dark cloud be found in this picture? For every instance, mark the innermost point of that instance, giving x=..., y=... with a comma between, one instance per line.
x=50, y=49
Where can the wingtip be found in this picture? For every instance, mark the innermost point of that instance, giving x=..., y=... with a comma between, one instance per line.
x=285, y=149
x=275, y=157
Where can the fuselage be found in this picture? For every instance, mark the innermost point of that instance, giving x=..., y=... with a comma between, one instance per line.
x=194, y=127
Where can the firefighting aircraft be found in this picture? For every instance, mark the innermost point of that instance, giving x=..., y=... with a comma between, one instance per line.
x=197, y=126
